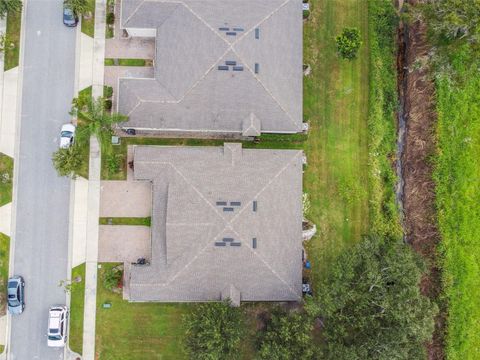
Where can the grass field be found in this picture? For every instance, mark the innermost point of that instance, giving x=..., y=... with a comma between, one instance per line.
x=6, y=178
x=136, y=331
x=77, y=293
x=12, y=41
x=458, y=192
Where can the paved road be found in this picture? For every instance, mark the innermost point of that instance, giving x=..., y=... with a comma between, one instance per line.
x=41, y=241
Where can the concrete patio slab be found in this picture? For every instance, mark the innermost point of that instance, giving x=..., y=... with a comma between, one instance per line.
x=8, y=112
x=6, y=219
x=121, y=243
x=125, y=199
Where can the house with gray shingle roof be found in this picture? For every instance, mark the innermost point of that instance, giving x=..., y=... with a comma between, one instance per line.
x=220, y=66
x=226, y=223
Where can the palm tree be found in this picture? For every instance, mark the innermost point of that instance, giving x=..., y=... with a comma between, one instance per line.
x=79, y=7
x=9, y=6
x=94, y=120
x=68, y=161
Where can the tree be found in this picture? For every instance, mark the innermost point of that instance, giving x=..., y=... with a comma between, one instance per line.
x=10, y=6
x=95, y=120
x=287, y=336
x=348, y=43
x=79, y=7
x=67, y=161
x=454, y=19
x=371, y=304
x=213, y=331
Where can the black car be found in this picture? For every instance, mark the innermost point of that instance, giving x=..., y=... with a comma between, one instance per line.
x=16, y=295
x=70, y=19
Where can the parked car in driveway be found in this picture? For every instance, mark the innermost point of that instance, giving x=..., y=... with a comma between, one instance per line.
x=69, y=17
x=16, y=295
x=57, y=326
x=67, y=136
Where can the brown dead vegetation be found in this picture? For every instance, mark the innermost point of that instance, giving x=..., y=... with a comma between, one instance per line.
x=419, y=189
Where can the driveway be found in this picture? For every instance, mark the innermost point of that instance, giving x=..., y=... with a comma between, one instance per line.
x=122, y=243
x=125, y=199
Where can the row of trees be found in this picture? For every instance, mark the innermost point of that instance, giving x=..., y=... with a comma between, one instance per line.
x=369, y=307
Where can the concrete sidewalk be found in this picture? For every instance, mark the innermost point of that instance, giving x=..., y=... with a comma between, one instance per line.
x=91, y=254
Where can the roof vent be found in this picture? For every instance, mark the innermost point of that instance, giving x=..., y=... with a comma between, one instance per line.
x=257, y=33
x=257, y=68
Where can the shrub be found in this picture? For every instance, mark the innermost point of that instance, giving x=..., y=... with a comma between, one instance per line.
x=108, y=104
x=112, y=278
x=348, y=43
x=107, y=90
x=113, y=162
x=110, y=18
x=213, y=331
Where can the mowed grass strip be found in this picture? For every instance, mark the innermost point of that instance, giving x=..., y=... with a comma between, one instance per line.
x=88, y=25
x=4, y=261
x=12, y=40
x=336, y=106
x=77, y=302
x=6, y=179
x=136, y=331
x=144, y=221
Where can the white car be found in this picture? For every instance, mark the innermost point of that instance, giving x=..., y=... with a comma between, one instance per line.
x=67, y=136
x=57, y=326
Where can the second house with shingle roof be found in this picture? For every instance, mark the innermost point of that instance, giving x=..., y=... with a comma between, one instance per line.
x=220, y=67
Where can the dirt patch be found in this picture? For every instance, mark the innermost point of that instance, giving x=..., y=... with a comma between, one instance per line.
x=419, y=188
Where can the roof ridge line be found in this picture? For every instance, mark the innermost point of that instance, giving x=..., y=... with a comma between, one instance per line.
x=231, y=47
x=267, y=90
x=265, y=187
x=134, y=12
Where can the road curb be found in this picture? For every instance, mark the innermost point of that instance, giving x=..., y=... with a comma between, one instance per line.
x=15, y=160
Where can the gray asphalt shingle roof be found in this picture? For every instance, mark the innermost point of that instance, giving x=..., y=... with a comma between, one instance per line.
x=191, y=92
x=209, y=204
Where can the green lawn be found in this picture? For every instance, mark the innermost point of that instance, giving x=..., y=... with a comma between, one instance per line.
x=12, y=40
x=88, y=25
x=457, y=177
x=125, y=221
x=136, y=331
x=336, y=106
x=76, y=309
x=4, y=261
x=6, y=178
x=126, y=62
